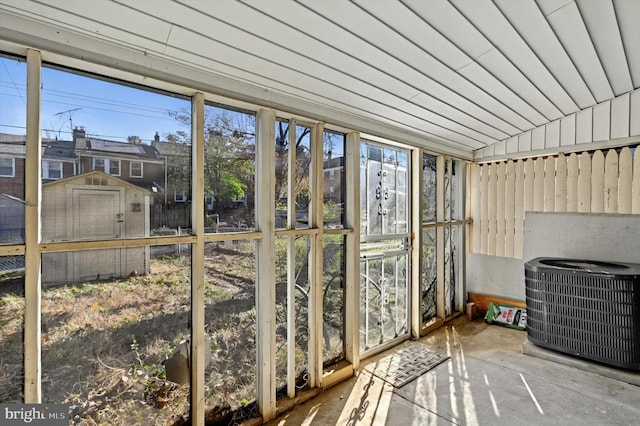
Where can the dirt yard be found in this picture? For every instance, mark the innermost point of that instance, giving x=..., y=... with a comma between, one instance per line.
x=104, y=344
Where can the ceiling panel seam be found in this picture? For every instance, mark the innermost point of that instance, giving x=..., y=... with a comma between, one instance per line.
x=624, y=46
x=123, y=62
x=443, y=64
x=540, y=92
x=524, y=41
x=324, y=81
x=604, y=70
x=474, y=61
x=442, y=139
x=566, y=52
x=444, y=102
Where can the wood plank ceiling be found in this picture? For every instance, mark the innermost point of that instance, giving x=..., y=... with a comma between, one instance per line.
x=460, y=73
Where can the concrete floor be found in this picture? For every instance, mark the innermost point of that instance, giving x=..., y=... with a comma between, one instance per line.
x=487, y=381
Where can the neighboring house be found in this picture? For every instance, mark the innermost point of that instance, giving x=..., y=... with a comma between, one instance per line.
x=133, y=161
x=11, y=220
x=177, y=160
x=12, y=154
x=333, y=179
x=58, y=160
x=93, y=206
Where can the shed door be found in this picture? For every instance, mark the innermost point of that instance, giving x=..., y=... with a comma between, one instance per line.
x=96, y=216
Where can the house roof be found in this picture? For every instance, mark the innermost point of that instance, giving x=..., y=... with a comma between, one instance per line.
x=61, y=150
x=454, y=75
x=171, y=149
x=139, y=151
x=97, y=178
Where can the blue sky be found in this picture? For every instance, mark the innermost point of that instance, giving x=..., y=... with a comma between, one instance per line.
x=105, y=110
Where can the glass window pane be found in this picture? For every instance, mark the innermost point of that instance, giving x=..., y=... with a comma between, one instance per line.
x=11, y=329
x=334, y=180
x=229, y=169
x=116, y=349
x=333, y=297
x=300, y=282
x=303, y=176
x=429, y=188
x=103, y=135
x=282, y=173
x=230, y=324
x=13, y=123
x=429, y=275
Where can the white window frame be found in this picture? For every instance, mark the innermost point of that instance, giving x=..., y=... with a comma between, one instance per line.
x=108, y=165
x=180, y=196
x=46, y=169
x=13, y=167
x=131, y=169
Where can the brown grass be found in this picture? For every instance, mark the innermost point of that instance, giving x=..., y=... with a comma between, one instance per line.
x=104, y=343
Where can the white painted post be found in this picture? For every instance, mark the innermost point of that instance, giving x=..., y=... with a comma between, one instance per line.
x=597, y=182
x=501, y=173
x=611, y=182
x=584, y=184
x=265, y=264
x=625, y=181
x=198, y=361
x=518, y=237
x=572, y=183
x=509, y=209
x=352, y=256
x=440, y=243
x=291, y=261
x=32, y=274
x=416, y=232
x=561, y=184
x=315, y=280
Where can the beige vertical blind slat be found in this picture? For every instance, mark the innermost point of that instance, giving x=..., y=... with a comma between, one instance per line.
x=584, y=184
x=493, y=199
x=500, y=202
x=572, y=183
x=509, y=208
x=597, y=182
x=529, y=183
x=538, y=184
x=561, y=184
x=611, y=182
x=484, y=209
x=518, y=237
x=625, y=180
x=635, y=202
x=475, y=207
x=549, y=184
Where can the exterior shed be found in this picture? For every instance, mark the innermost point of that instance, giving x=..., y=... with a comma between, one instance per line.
x=93, y=206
